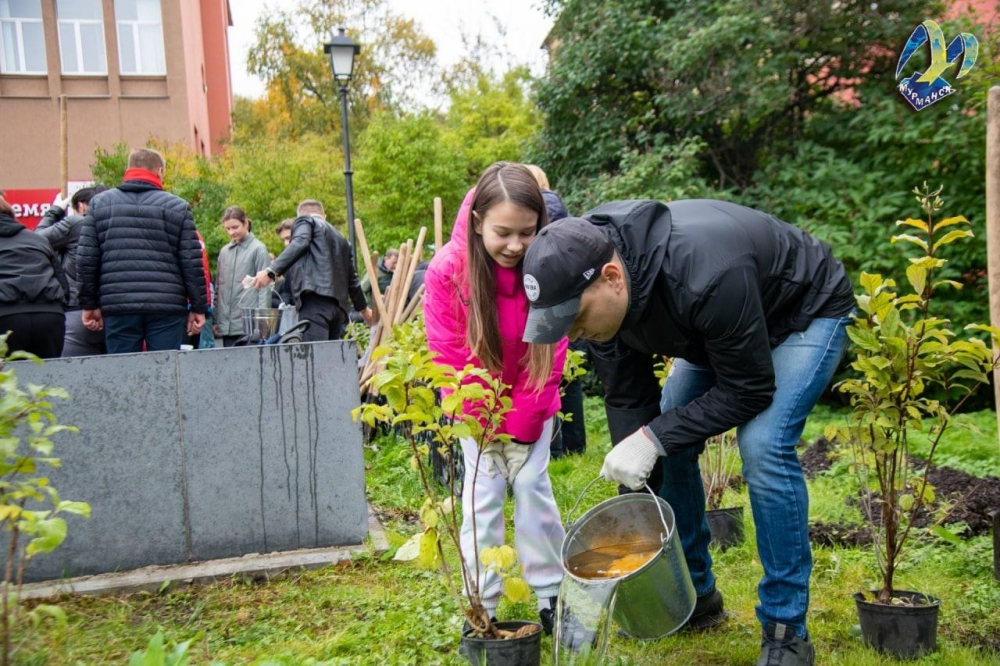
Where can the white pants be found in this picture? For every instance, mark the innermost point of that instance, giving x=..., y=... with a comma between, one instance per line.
x=538, y=528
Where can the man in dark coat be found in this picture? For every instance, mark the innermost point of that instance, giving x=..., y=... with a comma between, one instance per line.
x=754, y=313
x=324, y=278
x=139, y=263
x=61, y=226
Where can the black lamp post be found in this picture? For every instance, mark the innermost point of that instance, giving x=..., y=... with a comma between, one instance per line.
x=342, y=52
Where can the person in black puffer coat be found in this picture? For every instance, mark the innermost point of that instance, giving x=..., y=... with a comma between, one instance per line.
x=139, y=263
x=32, y=289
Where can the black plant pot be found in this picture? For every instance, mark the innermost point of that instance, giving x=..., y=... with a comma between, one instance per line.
x=525, y=651
x=726, y=526
x=907, y=630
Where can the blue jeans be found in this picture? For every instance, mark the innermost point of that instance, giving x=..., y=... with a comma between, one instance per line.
x=126, y=333
x=804, y=364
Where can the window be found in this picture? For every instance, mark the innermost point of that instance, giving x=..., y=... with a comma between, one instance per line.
x=22, y=41
x=81, y=37
x=140, y=36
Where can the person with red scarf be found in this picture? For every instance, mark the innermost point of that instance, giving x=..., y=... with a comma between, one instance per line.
x=139, y=263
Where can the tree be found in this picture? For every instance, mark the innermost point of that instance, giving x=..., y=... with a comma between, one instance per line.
x=270, y=176
x=492, y=118
x=742, y=75
x=395, y=62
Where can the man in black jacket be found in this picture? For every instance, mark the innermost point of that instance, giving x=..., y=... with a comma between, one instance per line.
x=139, y=263
x=324, y=279
x=753, y=311
x=61, y=226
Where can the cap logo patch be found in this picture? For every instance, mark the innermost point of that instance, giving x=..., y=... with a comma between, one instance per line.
x=587, y=273
x=531, y=288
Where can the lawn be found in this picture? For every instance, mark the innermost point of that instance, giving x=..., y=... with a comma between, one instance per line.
x=378, y=611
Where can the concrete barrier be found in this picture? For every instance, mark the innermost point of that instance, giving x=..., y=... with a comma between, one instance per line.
x=206, y=454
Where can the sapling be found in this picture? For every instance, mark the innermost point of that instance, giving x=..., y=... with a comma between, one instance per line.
x=473, y=406
x=915, y=374
x=30, y=507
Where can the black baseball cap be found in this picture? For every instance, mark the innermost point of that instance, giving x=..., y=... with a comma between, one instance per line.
x=562, y=261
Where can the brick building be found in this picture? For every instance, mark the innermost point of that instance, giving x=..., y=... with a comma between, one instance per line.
x=99, y=72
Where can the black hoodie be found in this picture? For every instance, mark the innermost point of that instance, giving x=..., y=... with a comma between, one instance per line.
x=31, y=277
x=718, y=285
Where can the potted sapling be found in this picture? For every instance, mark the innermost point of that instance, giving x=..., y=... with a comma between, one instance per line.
x=914, y=374
x=720, y=471
x=410, y=382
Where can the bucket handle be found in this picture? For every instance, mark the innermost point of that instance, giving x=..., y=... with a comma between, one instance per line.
x=659, y=509
x=239, y=301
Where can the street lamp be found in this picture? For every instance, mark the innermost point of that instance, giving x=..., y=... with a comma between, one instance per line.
x=342, y=52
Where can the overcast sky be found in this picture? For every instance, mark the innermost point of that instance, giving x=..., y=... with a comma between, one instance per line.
x=445, y=21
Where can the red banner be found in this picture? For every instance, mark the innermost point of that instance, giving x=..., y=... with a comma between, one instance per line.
x=30, y=205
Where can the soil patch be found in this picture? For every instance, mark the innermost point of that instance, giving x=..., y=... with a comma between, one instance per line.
x=970, y=500
x=815, y=458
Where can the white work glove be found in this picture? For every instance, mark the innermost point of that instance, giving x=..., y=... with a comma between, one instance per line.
x=507, y=459
x=631, y=461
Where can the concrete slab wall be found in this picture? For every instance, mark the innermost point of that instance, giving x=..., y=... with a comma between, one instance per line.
x=199, y=455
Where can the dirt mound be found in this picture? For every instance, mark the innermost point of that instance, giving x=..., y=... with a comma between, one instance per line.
x=968, y=499
x=816, y=457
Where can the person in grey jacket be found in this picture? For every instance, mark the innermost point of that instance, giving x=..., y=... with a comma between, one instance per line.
x=324, y=278
x=244, y=256
x=61, y=226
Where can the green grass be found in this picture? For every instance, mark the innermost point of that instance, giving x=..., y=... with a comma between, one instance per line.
x=377, y=611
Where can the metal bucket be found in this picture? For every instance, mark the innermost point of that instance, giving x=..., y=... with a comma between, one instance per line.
x=261, y=322
x=656, y=599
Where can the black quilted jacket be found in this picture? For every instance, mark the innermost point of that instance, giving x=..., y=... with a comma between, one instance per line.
x=139, y=253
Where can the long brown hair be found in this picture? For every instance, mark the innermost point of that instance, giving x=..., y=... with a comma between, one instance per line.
x=501, y=182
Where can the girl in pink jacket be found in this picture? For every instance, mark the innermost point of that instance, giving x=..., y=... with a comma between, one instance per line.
x=475, y=310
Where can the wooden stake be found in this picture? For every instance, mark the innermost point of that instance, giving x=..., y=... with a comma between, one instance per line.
x=63, y=146
x=418, y=298
x=993, y=223
x=438, y=224
x=372, y=275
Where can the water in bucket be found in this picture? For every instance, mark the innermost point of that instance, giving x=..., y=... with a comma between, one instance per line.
x=623, y=561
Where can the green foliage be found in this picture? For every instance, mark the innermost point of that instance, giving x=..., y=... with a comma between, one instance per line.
x=903, y=350
x=491, y=119
x=374, y=610
x=664, y=173
x=269, y=177
x=720, y=464
x=392, y=68
x=157, y=654
x=403, y=163
x=743, y=75
x=31, y=510
x=471, y=406
x=109, y=167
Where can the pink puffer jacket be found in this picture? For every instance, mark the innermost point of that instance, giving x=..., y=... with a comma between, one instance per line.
x=445, y=317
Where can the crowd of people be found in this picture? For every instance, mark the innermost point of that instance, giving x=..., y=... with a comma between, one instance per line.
x=124, y=269
x=752, y=309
